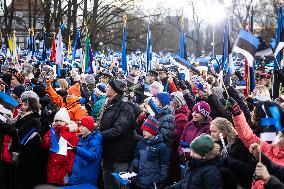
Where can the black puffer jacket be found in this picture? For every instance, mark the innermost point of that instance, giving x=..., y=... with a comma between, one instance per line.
x=201, y=174
x=30, y=167
x=117, y=127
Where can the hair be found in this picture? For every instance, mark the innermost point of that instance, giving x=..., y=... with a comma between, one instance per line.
x=261, y=91
x=63, y=84
x=213, y=153
x=225, y=127
x=34, y=105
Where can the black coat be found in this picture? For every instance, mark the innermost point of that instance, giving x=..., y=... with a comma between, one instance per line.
x=117, y=127
x=201, y=174
x=30, y=166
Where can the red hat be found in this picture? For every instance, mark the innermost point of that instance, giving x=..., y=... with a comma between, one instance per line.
x=88, y=122
x=151, y=125
x=74, y=90
x=203, y=108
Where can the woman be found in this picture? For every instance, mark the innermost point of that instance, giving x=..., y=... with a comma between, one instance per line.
x=26, y=139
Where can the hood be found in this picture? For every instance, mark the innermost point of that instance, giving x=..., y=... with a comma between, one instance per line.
x=166, y=110
x=183, y=110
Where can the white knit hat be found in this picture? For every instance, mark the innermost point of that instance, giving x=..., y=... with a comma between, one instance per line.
x=178, y=98
x=62, y=115
x=29, y=94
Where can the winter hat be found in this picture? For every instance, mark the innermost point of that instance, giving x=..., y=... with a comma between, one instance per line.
x=218, y=92
x=62, y=115
x=29, y=94
x=18, y=91
x=261, y=93
x=202, y=144
x=39, y=90
x=100, y=89
x=20, y=77
x=156, y=88
x=203, y=108
x=74, y=90
x=151, y=125
x=164, y=98
x=88, y=122
x=153, y=73
x=117, y=85
x=178, y=98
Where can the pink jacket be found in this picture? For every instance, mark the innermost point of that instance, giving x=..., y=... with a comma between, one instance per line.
x=181, y=119
x=246, y=134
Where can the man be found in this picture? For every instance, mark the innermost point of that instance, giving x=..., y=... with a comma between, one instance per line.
x=117, y=128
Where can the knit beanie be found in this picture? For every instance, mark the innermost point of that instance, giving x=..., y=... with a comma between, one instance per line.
x=203, y=108
x=100, y=89
x=164, y=98
x=156, y=88
x=18, y=91
x=88, y=122
x=29, y=94
x=202, y=144
x=178, y=98
x=74, y=90
x=218, y=92
x=151, y=125
x=117, y=85
x=62, y=115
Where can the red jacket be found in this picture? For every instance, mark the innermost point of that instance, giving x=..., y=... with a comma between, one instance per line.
x=181, y=119
x=246, y=134
x=59, y=165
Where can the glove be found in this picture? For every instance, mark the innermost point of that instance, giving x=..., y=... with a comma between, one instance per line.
x=184, y=144
x=182, y=85
x=74, y=149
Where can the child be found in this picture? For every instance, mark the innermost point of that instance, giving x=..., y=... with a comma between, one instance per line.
x=87, y=154
x=151, y=157
x=202, y=171
x=60, y=166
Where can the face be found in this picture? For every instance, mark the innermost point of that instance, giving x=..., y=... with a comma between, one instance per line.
x=173, y=105
x=83, y=130
x=195, y=155
x=197, y=117
x=110, y=92
x=162, y=75
x=59, y=123
x=24, y=106
x=147, y=135
x=150, y=78
x=215, y=132
x=14, y=82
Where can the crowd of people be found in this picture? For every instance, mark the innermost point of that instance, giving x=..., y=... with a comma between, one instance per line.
x=76, y=130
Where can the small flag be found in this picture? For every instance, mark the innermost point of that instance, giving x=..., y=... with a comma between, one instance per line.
x=247, y=45
x=43, y=55
x=87, y=55
x=77, y=46
x=8, y=101
x=53, y=50
x=182, y=42
x=15, y=50
x=58, y=143
x=149, y=50
x=69, y=49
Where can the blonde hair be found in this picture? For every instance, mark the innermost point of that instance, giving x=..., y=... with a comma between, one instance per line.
x=213, y=153
x=226, y=128
x=261, y=93
x=63, y=84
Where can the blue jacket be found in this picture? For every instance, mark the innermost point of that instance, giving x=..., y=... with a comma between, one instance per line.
x=97, y=107
x=152, y=162
x=201, y=174
x=87, y=160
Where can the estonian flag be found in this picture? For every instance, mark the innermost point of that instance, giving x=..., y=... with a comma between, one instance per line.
x=247, y=45
x=8, y=101
x=58, y=143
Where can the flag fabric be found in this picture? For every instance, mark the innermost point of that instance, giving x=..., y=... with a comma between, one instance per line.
x=8, y=101
x=77, y=46
x=247, y=45
x=182, y=42
x=43, y=55
x=10, y=44
x=31, y=46
x=87, y=62
x=58, y=143
x=123, y=55
x=69, y=49
x=227, y=58
x=15, y=49
x=53, y=50
x=59, y=52
x=279, y=56
x=149, y=50
x=91, y=71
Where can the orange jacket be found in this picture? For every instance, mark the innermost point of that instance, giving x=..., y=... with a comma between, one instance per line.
x=246, y=134
x=75, y=110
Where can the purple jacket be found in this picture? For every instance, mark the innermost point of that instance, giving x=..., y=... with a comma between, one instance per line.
x=193, y=130
x=181, y=119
